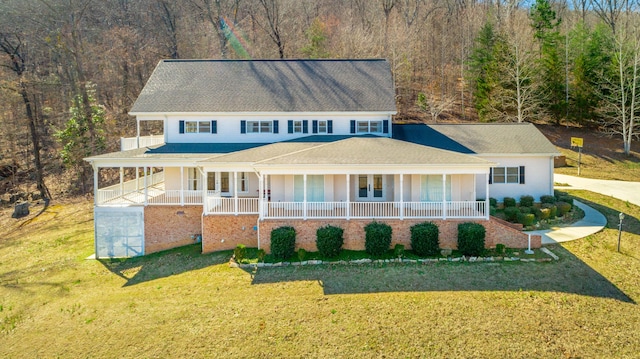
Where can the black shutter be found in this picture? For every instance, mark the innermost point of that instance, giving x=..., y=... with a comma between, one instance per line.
x=305, y=126
x=181, y=126
x=290, y=126
x=490, y=175
x=330, y=126
x=521, y=174
x=275, y=126
x=314, y=126
x=385, y=126
x=214, y=126
x=353, y=126
x=243, y=126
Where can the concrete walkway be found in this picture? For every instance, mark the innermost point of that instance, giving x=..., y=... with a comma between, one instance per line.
x=592, y=222
x=625, y=191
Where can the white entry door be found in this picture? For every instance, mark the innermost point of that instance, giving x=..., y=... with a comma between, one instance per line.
x=371, y=187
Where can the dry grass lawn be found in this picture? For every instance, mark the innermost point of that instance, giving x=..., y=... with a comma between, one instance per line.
x=54, y=303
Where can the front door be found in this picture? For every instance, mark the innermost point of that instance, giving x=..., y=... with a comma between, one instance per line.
x=371, y=188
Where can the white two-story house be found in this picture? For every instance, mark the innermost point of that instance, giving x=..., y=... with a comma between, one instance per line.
x=249, y=146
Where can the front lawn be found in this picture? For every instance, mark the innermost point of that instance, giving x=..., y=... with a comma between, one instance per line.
x=180, y=303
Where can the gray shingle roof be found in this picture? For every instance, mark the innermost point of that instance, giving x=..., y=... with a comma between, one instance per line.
x=493, y=138
x=373, y=151
x=268, y=86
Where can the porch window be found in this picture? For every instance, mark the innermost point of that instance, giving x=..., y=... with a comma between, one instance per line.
x=315, y=188
x=243, y=182
x=193, y=179
x=431, y=188
x=224, y=182
x=211, y=181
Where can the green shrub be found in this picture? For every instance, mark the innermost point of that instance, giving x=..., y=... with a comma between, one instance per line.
x=524, y=209
x=471, y=238
x=424, y=239
x=526, y=201
x=548, y=199
x=526, y=219
x=511, y=213
x=543, y=213
x=377, y=238
x=567, y=199
x=329, y=240
x=509, y=202
x=261, y=255
x=493, y=202
x=398, y=250
x=553, y=210
x=563, y=208
x=301, y=254
x=240, y=252
x=283, y=242
x=492, y=211
x=500, y=248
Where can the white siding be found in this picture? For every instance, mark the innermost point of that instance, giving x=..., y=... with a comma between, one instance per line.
x=228, y=127
x=538, y=178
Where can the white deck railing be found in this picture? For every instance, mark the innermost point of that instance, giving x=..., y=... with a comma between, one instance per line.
x=225, y=205
x=452, y=209
x=131, y=143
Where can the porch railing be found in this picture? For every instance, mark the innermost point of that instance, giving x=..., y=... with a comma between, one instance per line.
x=131, y=143
x=451, y=209
x=225, y=205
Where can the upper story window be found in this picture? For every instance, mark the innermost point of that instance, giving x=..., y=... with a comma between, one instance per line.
x=507, y=175
x=370, y=126
x=298, y=126
x=198, y=126
x=258, y=126
x=323, y=126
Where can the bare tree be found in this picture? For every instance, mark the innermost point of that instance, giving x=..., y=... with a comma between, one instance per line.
x=621, y=98
x=271, y=22
x=609, y=10
x=214, y=11
x=433, y=104
x=387, y=6
x=12, y=46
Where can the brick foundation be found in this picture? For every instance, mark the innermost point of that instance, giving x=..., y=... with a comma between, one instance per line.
x=354, y=233
x=167, y=227
x=227, y=231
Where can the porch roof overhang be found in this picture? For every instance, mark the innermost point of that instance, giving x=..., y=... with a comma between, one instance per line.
x=349, y=155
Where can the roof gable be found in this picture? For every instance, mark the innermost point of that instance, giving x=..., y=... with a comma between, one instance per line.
x=228, y=86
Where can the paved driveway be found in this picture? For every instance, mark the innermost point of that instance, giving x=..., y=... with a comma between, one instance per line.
x=626, y=191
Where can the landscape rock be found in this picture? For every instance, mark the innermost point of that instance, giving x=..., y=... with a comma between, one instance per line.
x=20, y=210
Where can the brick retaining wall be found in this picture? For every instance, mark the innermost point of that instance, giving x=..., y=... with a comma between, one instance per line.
x=222, y=232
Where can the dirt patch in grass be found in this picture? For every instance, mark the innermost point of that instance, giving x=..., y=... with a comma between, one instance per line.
x=602, y=155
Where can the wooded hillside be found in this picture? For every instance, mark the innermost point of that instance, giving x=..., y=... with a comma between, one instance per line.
x=72, y=68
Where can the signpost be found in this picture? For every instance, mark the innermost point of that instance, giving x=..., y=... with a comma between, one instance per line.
x=578, y=142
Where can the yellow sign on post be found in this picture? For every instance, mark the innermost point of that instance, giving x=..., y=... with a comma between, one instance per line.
x=576, y=142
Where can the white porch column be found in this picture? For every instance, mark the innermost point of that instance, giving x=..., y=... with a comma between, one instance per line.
x=260, y=196
x=121, y=181
x=304, y=197
x=486, y=197
x=96, y=169
x=235, y=193
x=181, y=186
x=348, y=197
x=401, y=196
x=146, y=187
x=205, y=186
x=137, y=178
x=138, y=132
x=444, y=196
